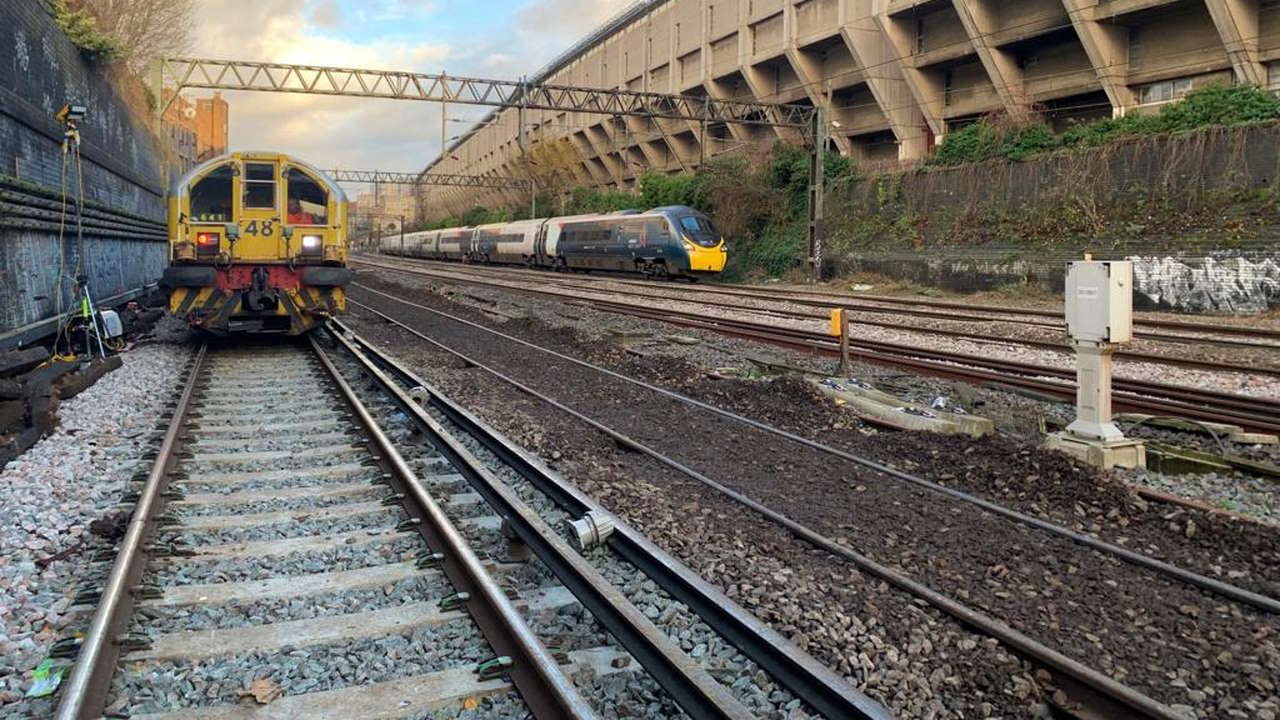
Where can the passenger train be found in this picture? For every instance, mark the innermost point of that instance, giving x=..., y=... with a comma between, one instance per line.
x=257, y=244
x=671, y=241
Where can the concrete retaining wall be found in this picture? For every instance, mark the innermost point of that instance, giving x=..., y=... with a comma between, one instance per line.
x=1197, y=213
x=124, y=170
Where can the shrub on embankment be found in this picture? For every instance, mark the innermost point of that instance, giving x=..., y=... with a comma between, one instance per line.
x=1194, y=179
x=1212, y=106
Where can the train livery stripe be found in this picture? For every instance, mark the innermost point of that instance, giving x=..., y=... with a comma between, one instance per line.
x=212, y=301
x=224, y=314
x=188, y=298
x=295, y=317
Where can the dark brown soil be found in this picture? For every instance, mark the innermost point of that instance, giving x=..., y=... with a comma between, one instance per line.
x=1153, y=633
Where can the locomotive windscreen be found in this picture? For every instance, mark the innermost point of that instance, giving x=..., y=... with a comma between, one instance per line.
x=700, y=230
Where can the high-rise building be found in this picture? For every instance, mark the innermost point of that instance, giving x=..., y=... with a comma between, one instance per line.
x=212, y=116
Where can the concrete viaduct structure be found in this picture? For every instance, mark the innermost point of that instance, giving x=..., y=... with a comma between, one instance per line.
x=893, y=75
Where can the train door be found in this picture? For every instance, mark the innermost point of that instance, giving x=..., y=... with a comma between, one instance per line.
x=260, y=217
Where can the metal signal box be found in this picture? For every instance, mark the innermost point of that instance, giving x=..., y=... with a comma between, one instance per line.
x=1099, y=301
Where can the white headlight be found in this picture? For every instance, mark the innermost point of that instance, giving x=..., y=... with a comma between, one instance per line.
x=311, y=243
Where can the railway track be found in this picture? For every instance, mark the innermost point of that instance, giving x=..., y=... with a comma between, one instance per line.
x=1088, y=685
x=714, y=295
x=1258, y=414
x=308, y=537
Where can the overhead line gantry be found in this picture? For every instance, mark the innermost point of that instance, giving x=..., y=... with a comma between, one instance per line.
x=171, y=75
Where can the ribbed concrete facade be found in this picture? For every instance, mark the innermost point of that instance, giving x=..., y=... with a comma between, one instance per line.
x=893, y=74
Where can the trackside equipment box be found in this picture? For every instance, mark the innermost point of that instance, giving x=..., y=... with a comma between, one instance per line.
x=1099, y=301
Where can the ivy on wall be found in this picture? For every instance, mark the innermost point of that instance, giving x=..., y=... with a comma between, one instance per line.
x=82, y=29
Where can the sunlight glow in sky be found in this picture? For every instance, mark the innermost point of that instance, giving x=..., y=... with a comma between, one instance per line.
x=483, y=38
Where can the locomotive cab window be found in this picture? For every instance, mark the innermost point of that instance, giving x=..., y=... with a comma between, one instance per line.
x=211, y=196
x=259, y=186
x=308, y=200
x=700, y=230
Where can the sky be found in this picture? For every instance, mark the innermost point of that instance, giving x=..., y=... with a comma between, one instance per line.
x=501, y=39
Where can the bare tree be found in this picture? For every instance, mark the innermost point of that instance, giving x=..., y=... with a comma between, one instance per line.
x=145, y=29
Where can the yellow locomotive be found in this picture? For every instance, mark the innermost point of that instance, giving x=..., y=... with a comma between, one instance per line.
x=257, y=244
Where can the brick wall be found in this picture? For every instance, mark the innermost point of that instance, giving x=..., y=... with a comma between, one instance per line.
x=124, y=169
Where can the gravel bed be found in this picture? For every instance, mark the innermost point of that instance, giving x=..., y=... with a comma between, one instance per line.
x=51, y=495
x=193, y=484
x=1253, y=496
x=365, y=494
x=1244, y=383
x=1203, y=442
x=859, y=628
x=197, y=570
x=160, y=686
x=744, y=679
x=196, y=467
x=569, y=627
x=1046, y=484
x=155, y=620
x=267, y=444
x=1021, y=571
x=222, y=418
x=384, y=518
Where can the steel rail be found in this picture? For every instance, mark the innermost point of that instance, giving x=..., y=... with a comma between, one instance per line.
x=84, y=693
x=1052, y=319
x=1125, y=696
x=1267, y=409
x=535, y=673
x=796, y=670
x=1253, y=413
x=688, y=296
x=692, y=688
x=1203, y=582
x=1030, y=312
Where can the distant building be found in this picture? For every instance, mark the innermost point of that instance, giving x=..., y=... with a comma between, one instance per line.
x=180, y=124
x=212, y=119
x=198, y=129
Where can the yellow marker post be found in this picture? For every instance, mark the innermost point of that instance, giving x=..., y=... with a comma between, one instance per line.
x=840, y=328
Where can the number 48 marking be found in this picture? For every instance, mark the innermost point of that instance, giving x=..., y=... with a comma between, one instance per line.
x=265, y=229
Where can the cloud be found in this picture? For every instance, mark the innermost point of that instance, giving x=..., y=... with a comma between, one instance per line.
x=331, y=132
x=465, y=37
x=326, y=14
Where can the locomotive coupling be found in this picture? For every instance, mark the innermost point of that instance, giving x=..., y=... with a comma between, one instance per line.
x=590, y=530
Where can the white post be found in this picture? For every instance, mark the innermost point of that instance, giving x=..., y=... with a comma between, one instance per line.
x=1099, y=310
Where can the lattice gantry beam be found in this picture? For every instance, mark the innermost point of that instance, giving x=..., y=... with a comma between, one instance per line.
x=433, y=179
x=171, y=75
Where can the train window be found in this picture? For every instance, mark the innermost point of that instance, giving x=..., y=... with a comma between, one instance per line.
x=211, y=196
x=629, y=233
x=700, y=230
x=308, y=200
x=259, y=186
